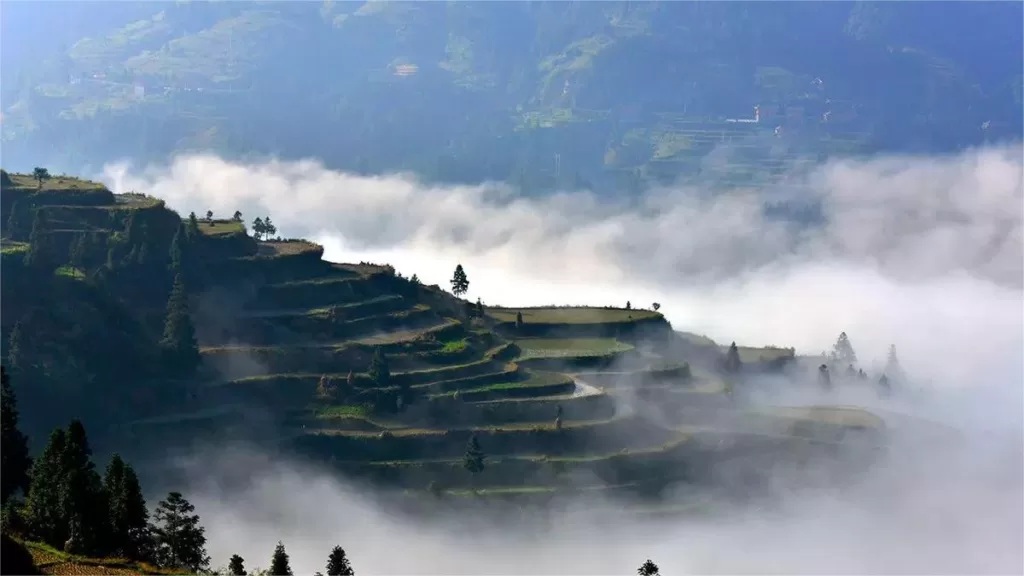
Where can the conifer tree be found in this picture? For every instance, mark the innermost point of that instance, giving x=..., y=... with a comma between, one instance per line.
x=379, y=371
x=338, y=564
x=519, y=320
x=236, y=565
x=473, y=459
x=40, y=254
x=136, y=516
x=842, y=351
x=83, y=500
x=14, y=459
x=192, y=229
x=177, y=252
x=179, y=340
x=892, y=364
x=279, y=563
x=181, y=541
x=733, y=363
x=459, y=281
x=44, y=513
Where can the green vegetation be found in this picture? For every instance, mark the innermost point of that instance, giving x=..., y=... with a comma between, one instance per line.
x=569, y=347
x=571, y=315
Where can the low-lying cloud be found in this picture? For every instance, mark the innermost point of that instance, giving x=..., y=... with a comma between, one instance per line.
x=922, y=252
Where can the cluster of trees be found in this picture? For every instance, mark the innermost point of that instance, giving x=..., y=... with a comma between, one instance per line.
x=68, y=504
x=843, y=354
x=263, y=228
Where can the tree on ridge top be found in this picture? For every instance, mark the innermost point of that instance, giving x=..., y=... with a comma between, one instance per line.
x=459, y=281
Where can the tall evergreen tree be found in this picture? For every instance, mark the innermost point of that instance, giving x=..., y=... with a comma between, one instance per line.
x=279, y=563
x=127, y=512
x=40, y=253
x=14, y=459
x=733, y=363
x=179, y=341
x=842, y=351
x=44, y=513
x=177, y=251
x=473, y=459
x=180, y=540
x=892, y=364
x=83, y=500
x=236, y=565
x=338, y=564
x=379, y=371
x=459, y=281
x=192, y=228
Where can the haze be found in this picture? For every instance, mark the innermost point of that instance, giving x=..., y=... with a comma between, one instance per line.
x=921, y=252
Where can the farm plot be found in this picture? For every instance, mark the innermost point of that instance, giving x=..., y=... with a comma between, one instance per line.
x=567, y=348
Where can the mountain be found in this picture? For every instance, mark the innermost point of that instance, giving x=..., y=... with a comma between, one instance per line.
x=158, y=331
x=544, y=95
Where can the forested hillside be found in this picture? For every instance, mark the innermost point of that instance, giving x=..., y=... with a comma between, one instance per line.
x=544, y=95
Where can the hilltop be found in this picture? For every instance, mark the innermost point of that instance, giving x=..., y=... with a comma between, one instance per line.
x=358, y=366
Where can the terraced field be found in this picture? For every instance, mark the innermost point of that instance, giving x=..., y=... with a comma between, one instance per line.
x=355, y=365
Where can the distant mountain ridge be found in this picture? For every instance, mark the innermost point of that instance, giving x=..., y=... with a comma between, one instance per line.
x=544, y=95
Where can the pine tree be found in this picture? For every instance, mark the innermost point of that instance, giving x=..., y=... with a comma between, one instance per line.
x=136, y=516
x=648, y=568
x=279, y=563
x=83, y=501
x=181, y=541
x=459, y=281
x=192, y=229
x=40, y=255
x=179, y=339
x=519, y=320
x=338, y=564
x=842, y=352
x=236, y=565
x=379, y=371
x=43, y=506
x=733, y=363
x=177, y=251
x=473, y=459
x=14, y=459
x=892, y=364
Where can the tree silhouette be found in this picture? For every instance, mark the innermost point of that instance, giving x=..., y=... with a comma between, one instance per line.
x=892, y=364
x=237, y=217
x=279, y=565
x=40, y=175
x=842, y=351
x=459, y=281
x=824, y=379
x=379, y=371
x=656, y=306
x=129, y=517
x=519, y=320
x=268, y=228
x=209, y=215
x=648, y=568
x=44, y=513
x=733, y=363
x=473, y=459
x=236, y=565
x=338, y=564
x=14, y=459
x=192, y=229
x=179, y=339
x=181, y=541
x=258, y=228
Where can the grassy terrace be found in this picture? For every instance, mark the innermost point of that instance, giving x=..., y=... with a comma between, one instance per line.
x=569, y=347
x=568, y=315
x=64, y=183
x=221, y=227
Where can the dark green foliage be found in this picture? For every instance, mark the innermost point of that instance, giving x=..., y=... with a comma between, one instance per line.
x=732, y=363
x=519, y=320
x=177, y=249
x=44, y=513
x=192, y=229
x=179, y=340
x=19, y=221
x=83, y=501
x=479, y=308
x=180, y=540
x=338, y=564
x=279, y=563
x=40, y=255
x=656, y=306
x=379, y=371
x=236, y=566
x=5, y=180
x=824, y=378
x=209, y=215
x=629, y=305
x=269, y=230
x=473, y=459
x=459, y=281
x=129, y=518
x=41, y=175
x=258, y=228
x=14, y=459
x=237, y=216
x=648, y=568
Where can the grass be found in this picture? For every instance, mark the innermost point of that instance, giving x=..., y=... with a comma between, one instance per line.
x=288, y=248
x=568, y=315
x=221, y=227
x=846, y=416
x=749, y=354
x=70, y=272
x=570, y=347
x=55, y=183
x=12, y=247
x=52, y=561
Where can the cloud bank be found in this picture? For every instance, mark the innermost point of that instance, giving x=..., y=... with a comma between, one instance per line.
x=906, y=246
x=923, y=252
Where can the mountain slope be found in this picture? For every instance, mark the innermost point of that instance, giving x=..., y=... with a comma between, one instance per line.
x=542, y=94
